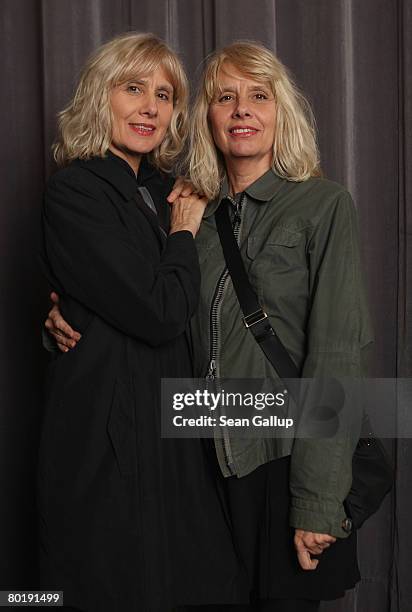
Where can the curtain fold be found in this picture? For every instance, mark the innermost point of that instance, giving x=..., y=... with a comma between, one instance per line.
x=354, y=61
x=401, y=591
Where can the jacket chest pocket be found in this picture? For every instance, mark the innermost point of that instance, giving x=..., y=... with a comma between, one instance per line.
x=279, y=246
x=277, y=264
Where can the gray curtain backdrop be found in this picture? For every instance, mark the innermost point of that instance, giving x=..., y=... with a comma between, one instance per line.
x=353, y=59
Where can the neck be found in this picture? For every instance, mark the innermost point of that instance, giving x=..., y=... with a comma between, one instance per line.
x=132, y=159
x=242, y=172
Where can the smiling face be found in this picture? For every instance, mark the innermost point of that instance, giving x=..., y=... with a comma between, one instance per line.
x=242, y=117
x=142, y=109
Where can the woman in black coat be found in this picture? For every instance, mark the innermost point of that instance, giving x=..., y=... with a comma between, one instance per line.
x=127, y=520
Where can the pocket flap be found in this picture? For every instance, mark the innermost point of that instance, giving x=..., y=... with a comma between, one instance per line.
x=280, y=236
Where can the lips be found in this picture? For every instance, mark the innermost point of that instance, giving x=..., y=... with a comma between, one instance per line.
x=243, y=130
x=143, y=129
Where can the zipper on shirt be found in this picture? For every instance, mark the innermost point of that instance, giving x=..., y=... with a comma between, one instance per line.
x=215, y=320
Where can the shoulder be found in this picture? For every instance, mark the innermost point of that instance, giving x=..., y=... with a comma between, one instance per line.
x=74, y=191
x=324, y=192
x=317, y=204
x=332, y=202
x=72, y=178
x=320, y=199
x=331, y=211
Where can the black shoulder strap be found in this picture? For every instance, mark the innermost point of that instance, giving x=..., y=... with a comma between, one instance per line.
x=255, y=319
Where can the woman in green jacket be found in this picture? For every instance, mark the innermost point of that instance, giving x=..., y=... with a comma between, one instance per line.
x=253, y=141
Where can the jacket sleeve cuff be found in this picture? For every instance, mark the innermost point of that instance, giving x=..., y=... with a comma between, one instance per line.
x=319, y=517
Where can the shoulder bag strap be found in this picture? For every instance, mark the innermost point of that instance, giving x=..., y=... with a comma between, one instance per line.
x=254, y=317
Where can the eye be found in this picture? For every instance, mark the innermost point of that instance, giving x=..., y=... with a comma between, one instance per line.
x=225, y=98
x=134, y=89
x=163, y=95
x=261, y=96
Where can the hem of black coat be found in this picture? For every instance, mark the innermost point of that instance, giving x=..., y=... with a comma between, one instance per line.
x=311, y=595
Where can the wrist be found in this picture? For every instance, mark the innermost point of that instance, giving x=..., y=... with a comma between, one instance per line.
x=183, y=228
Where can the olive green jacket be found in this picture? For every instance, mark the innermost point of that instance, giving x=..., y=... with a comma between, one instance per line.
x=299, y=243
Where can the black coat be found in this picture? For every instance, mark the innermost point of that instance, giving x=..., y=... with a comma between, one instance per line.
x=128, y=521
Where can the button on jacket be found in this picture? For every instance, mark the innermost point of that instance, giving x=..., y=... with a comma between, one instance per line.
x=299, y=244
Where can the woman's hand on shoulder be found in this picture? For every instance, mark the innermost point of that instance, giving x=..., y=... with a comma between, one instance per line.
x=182, y=188
x=309, y=543
x=187, y=213
x=66, y=337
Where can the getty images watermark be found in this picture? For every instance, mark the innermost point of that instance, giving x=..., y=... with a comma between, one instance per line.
x=313, y=408
x=215, y=401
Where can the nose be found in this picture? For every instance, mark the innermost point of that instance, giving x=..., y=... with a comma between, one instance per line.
x=149, y=106
x=242, y=108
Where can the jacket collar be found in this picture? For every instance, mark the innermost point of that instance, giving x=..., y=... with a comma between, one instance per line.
x=118, y=173
x=262, y=190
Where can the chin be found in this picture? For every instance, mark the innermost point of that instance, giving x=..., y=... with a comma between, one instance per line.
x=244, y=152
x=143, y=148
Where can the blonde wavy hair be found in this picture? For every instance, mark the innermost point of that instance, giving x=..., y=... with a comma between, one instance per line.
x=295, y=149
x=85, y=125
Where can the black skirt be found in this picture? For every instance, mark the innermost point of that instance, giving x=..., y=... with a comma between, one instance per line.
x=257, y=506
